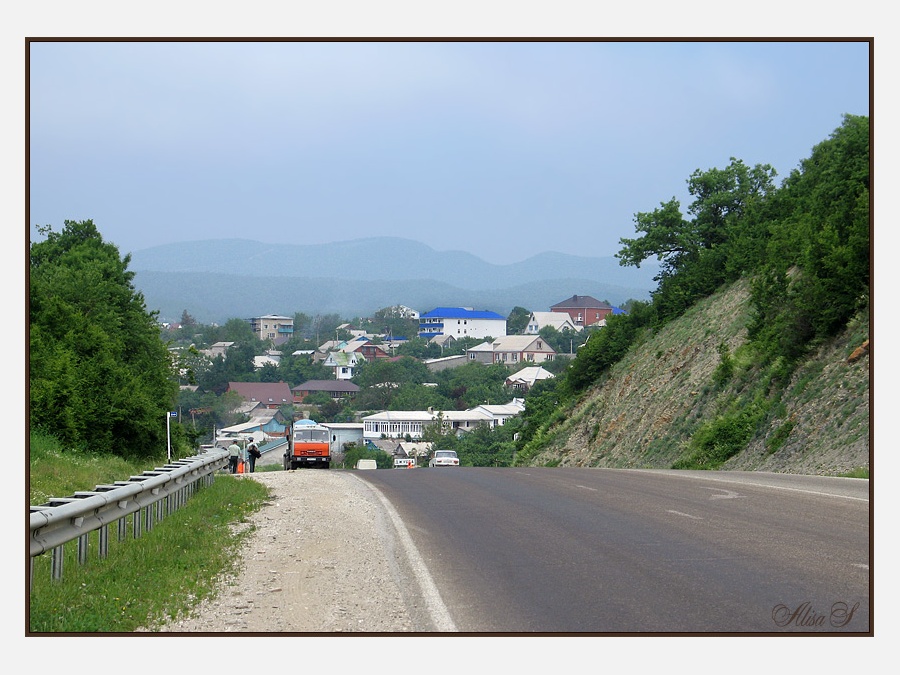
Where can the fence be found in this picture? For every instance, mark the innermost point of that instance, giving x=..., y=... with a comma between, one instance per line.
x=146, y=498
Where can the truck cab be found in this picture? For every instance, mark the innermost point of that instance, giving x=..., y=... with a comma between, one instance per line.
x=308, y=445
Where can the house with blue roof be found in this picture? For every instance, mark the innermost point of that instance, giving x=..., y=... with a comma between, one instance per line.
x=461, y=322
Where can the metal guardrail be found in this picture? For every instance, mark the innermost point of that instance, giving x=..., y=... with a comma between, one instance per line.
x=148, y=497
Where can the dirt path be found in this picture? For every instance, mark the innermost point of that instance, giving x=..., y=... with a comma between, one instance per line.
x=322, y=559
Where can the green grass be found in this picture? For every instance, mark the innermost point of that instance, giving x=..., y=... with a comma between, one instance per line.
x=860, y=472
x=164, y=572
x=55, y=471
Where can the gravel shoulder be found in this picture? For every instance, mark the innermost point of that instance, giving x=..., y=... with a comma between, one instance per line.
x=322, y=557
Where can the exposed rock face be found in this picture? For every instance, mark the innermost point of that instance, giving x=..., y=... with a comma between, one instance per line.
x=644, y=412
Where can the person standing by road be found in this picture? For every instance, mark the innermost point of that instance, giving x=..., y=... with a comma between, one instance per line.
x=234, y=454
x=253, y=454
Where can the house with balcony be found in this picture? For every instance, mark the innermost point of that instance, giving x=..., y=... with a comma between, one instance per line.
x=461, y=322
x=583, y=310
x=273, y=328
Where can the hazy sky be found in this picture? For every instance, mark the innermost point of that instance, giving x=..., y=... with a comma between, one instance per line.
x=501, y=149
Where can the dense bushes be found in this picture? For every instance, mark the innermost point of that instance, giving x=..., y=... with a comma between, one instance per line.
x=100, y=377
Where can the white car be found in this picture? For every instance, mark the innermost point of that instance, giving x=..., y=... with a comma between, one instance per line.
x=444, y=458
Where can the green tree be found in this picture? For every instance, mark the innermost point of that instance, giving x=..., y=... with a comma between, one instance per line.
x=517, y=321
x=817, y=269
x=389, y=371
x=235, y=366
x=411, y=396
x=301, y=368
x=420, y=348
x=100, y=376
x=187, y=321
x=472, y=384
x=724, y=238
x=564, y=341
x=484, y=446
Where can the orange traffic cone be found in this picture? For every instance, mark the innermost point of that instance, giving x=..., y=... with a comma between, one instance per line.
x=240, y=466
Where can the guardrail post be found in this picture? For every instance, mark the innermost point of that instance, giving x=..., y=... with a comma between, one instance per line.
x=123, y=528
x=103, y=533
x=136, y=525
x=82, y=549
x=56, y=563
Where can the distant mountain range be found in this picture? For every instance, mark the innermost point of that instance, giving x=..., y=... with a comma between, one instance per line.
x=221, y=279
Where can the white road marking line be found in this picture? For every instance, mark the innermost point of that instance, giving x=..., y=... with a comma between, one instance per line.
x=438, y=611
x=686, y=515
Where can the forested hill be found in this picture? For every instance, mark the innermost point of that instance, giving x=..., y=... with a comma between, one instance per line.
x=222, y=279
x=753, y=352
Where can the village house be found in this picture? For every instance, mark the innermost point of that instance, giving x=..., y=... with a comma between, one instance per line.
x=512, y=350
x=217, y=349
x=336, y=389
x=525, y=379
x=343, y=363
x=583, y=310
x=271, y=356
x=560, y=321
x=264, y=394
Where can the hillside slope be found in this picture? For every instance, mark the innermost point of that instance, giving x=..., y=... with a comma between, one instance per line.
x=644, y=412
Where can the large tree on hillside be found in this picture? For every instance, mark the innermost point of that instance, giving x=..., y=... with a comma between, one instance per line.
x=100, y=376
x=725, y=237
x=723, y=198
x=817, y=268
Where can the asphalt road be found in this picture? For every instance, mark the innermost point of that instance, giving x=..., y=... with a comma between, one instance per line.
x=574, y=551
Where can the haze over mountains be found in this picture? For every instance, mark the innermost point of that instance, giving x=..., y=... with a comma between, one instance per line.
x=216, y=280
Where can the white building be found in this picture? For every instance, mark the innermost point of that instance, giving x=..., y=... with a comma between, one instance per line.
x=558, y=320
x=412, y=423
x=343, y=363
x=461, y=322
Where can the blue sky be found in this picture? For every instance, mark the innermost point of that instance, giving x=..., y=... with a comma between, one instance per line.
x=501, y=149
